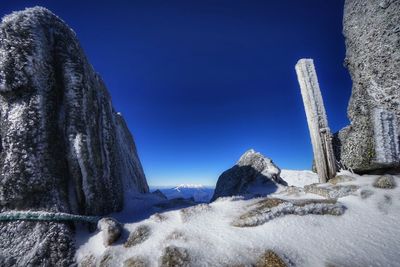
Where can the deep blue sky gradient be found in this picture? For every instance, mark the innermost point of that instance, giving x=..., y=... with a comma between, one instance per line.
x=200, y=82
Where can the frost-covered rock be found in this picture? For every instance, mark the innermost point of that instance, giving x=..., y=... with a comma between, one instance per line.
x=63, y=147
x=141, y=234
x=252, y=174
x=270, y=258
x=271, y=208
x=175, y=257
x=111, y=230
x=372, y=31
x=88, y=261
x=27, y=243
x=135, y=262
x=158, y=217
x=329, y=191
x=341, y=179
x=385, y=182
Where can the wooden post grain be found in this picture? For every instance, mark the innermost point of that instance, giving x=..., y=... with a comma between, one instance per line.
x=321, y=137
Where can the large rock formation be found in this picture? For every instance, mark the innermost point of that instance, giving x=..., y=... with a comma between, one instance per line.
x=252, y=174
x=63, y=147
x=372, y=31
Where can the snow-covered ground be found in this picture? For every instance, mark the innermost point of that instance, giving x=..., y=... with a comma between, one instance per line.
x=367, y=234
x=299, y=178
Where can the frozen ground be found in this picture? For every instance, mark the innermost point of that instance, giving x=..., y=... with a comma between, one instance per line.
x=367, y=234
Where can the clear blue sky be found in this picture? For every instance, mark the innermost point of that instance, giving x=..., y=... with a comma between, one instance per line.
x=200, y=82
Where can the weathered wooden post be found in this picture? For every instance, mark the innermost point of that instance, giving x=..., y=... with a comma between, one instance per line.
x=321, y=137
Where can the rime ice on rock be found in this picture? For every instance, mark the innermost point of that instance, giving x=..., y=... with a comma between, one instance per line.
x=64, y=148
x=386, y=137
x=372, y=32
x=252, y=174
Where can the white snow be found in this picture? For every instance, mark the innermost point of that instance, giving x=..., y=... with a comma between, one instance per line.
x=367, y=234
x=299, y=178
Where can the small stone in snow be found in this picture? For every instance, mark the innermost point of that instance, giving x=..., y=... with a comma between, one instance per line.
x=88, y=261
x=141, y=234
x=385, y=182
x=175, y=257
x=270, y=259
x=111, y=230
x=135, y=262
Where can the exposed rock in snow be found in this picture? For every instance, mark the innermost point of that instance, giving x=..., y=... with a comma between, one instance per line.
x=371, y=141
x=64, y=148
x=271, y=208
x=270, y=258
x=111, y=230
x=176, y=235
x=107, y=259
x=252, y=174
x=135, y=262
x=157, y=217
x=385, y=181
x=88, y=261
x=138, y=236
x=341, y=179
x=175, y=257
x=331, y=192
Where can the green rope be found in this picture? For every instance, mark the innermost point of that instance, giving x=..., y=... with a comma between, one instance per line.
x=45, y=216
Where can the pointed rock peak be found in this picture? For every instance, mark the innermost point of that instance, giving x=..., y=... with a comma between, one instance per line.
x=251, y=157
x=252, y=171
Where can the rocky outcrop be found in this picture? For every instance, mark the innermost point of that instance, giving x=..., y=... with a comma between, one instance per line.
x=63, y=147
x=253, y=173
x=372, y=32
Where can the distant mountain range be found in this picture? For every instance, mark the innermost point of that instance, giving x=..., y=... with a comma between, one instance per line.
x=200, y=193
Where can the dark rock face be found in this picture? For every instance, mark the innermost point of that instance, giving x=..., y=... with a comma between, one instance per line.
x=252, y=171
x=63, y=147
x=372, y=31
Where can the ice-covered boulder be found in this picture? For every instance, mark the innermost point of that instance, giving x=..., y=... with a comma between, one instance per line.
x=372, y=32
x=252, y=174
x=63, y=147
x=111, y=230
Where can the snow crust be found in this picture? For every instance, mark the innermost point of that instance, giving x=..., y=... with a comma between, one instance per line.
x=299, y=178
x=365, y=235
